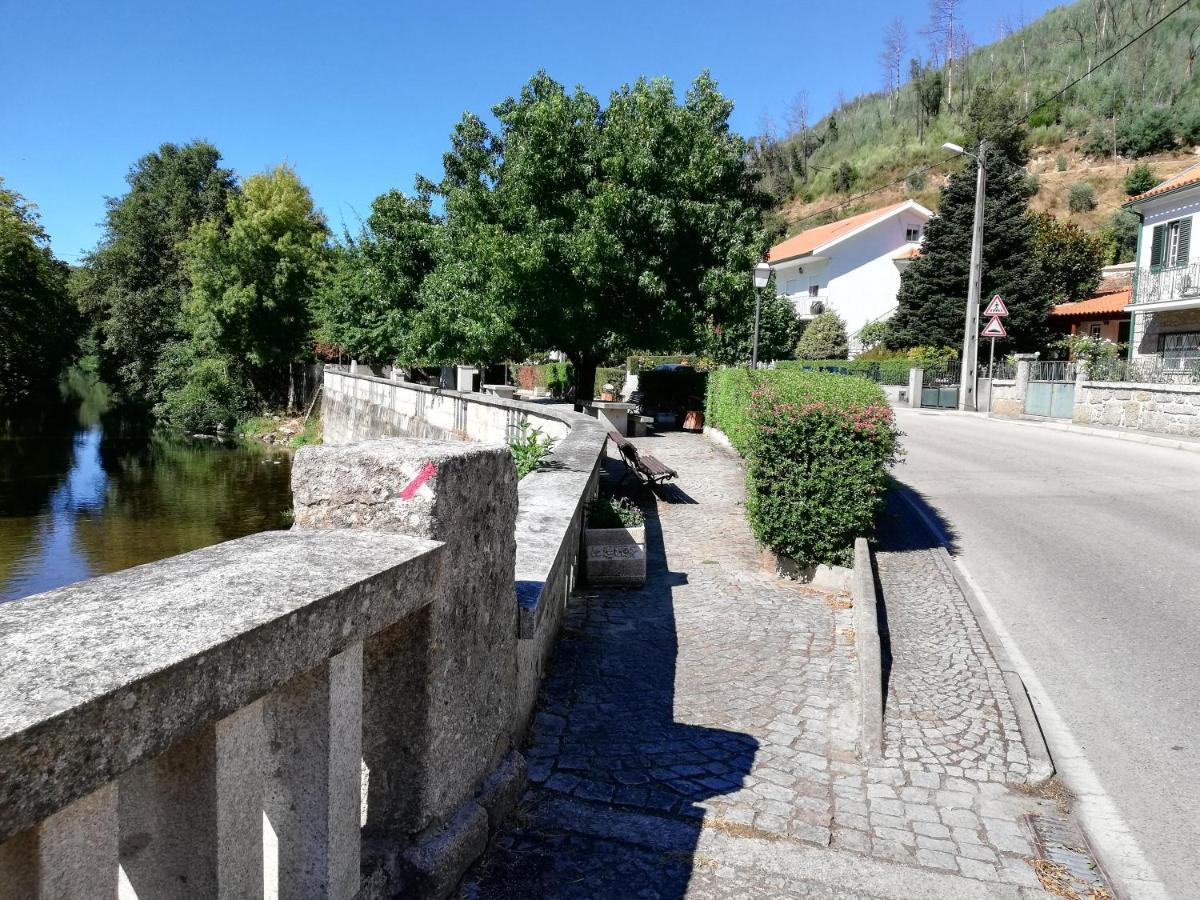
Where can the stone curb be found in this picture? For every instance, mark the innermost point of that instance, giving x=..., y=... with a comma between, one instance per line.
x=1041, y=764
x=868, y=650
x=1136, y=437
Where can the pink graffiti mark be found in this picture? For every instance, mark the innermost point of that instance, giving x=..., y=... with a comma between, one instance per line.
x=410, y=490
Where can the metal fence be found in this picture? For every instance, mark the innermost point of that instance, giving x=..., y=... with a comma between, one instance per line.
x=1147, y=371
x=1001, y=371
x=1052, y=370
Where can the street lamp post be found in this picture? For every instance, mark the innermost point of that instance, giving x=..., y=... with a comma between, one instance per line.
x=762, y=276
x=966, y=391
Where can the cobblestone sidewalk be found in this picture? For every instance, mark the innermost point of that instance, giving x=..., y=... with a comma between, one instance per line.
x=697, y=737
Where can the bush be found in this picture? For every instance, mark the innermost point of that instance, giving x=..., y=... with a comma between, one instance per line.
x=1139, y=180
x=915, y=181
x=209, y=399
x=620, y=513
x=1033, y=183
x=817, y=448
x=1188, y=125
x=1099, y=140
x=824, y=338
x=1060, y=161
x=1149, y=132
x=873, y=333
x=845, y=178
x=529, y=447
x=1081, y=197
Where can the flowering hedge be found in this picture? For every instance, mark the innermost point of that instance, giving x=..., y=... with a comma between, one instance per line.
x=817, y=448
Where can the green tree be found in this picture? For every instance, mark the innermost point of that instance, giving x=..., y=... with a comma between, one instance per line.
x=824, y=338
x=1139, y=180
x=38, y=321
x=369, y=302
x=731, y=335
x=254, y=283
x=1081, y=197
x=593, y=231
x=1150, y=131
x=1070, y=258
x=1120, y=236
x=133, y=284
x=933, y=288
x=873, y=333
x=845, y=178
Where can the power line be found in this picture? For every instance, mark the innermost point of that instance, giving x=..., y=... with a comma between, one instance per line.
x=953, y=156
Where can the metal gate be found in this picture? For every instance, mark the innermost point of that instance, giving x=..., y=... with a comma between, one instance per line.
x=1051, y=391
x=939, y=390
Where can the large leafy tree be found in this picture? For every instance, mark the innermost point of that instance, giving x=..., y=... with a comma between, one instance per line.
x=38, y=321
x=593, y=230
x=134, y=283
x=254, y=282
x=1070, y=258
x=368, y=306
x=933, y=289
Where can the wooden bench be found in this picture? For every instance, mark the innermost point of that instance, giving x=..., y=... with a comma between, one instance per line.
x=646, y=468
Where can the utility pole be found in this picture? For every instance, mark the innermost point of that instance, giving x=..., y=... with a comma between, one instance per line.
x=966, y=388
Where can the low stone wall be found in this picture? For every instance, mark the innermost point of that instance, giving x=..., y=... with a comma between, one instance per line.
x=1005, y=399
x=552, y=500
x=1156, y=408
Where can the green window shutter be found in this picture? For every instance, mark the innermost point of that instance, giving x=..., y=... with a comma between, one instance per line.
x=1156, y=246
x=1185, y=240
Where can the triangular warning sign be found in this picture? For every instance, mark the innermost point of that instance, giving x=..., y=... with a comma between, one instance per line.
x=996, y=307
x=994, y=328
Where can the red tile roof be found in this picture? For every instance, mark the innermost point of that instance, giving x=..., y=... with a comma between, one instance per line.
x=1101, y=304
x=808, y=241
x=1190, y=175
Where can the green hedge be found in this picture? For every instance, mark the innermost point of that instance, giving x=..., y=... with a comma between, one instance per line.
x=556, y=377
x=880, y=371
x=817, y=448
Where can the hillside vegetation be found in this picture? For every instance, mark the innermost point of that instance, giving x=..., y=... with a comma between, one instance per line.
x=1143, y=105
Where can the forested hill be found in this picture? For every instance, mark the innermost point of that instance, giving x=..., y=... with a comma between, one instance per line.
x=1144, y=104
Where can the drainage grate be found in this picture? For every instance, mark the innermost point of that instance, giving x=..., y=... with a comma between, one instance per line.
x=1068, y=863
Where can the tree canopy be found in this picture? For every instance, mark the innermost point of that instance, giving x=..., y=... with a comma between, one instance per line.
x=133, y=284
x=1070, y=259
x=824, y=338
x=38, y=322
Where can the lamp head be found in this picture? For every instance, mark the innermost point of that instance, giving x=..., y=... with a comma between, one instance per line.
x=762, y=274
x=953, y=148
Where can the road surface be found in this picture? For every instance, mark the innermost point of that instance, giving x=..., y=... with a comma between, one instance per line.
x=1088, y=550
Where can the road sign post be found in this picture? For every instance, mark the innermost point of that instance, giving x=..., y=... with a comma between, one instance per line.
x=994, y=328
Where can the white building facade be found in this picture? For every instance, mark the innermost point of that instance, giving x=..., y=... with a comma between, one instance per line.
x=1165, y=303
x=851, y=267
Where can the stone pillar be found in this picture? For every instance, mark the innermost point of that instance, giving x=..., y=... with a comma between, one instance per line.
x=72, y=855
x=1024, y=363
x=439, y=692
x=916, y=382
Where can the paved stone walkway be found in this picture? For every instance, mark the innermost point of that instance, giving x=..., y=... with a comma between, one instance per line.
x=697, y=737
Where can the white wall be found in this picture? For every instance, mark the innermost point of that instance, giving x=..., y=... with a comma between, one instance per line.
x=858, y=277
x=1146, y=327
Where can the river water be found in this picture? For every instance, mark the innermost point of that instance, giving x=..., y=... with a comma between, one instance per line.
x=84, y=492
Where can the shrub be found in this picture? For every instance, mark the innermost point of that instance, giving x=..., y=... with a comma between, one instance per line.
x=529, y=447
x=915, y=180
x=622, y=512
x=1139, y=180
x=1099, y=140
x=209, y=399
x=817, y=448
x=1033, y=183
x=1060, y=161
x=1150, y=131
x=1081, y=197
x=1188, y=125
x=845, y=178
x=873, y=333
x=824, y=338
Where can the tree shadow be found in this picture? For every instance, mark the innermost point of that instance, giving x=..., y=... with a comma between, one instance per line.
x=616, y=805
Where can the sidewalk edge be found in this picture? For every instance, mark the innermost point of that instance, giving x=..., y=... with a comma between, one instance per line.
x=869, y=652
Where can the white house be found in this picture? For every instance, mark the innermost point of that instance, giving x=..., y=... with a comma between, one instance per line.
x=1165, y=303
x=851, y=267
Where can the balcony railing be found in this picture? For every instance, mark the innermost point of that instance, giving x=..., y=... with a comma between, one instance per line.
x=808, y=305
x=1164, y=285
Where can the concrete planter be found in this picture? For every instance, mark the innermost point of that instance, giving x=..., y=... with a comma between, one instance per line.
x=616, y=556
x=828, y=578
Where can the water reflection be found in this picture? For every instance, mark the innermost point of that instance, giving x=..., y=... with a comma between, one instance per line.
x=85, y=492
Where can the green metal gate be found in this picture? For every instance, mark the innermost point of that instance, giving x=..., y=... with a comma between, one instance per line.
x=1051, y=391
x=939, y=390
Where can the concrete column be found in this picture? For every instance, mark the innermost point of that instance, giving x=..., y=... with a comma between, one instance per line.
x=311, y=793
x=1024, y=363
x=238, y=747
x=72, y=855
x=916, y=382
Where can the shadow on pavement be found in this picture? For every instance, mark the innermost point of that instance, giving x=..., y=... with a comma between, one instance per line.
x=617, y=813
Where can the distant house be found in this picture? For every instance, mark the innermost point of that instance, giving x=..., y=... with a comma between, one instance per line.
x=851, y=267
x=1102, y=315
x=1165, y=302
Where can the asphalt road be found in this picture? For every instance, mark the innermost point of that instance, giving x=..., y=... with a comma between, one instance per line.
x=1088, y=549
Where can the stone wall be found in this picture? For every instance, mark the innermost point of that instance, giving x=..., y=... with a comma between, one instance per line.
x=1006, y=400
x=552, y=500
x=1158, y=408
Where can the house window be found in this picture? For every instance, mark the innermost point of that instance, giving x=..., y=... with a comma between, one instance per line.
x=912, y=235
x=1180, y=350
x=1170, y=244
x=814, y=290
x=1094, y=330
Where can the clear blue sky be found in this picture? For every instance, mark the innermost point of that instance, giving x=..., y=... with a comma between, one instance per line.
x=361, y=96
